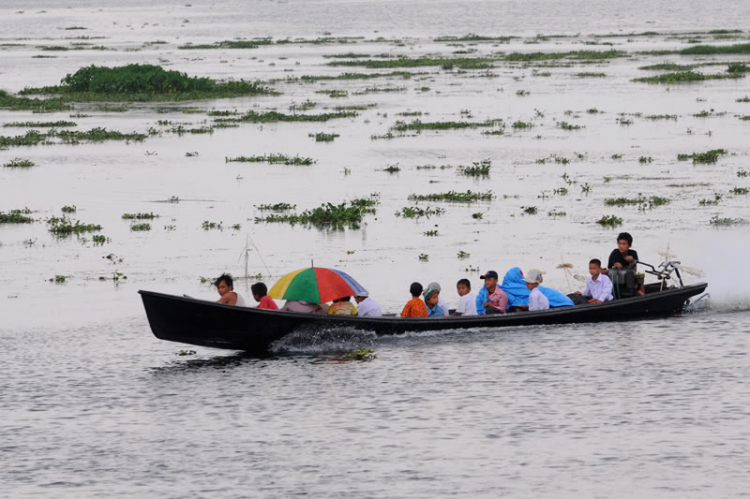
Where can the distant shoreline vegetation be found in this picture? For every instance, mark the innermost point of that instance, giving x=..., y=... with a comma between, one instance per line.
x=143, y=83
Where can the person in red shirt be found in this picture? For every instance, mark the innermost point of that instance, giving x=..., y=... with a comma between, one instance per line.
x=415, y=307
x=260, y=293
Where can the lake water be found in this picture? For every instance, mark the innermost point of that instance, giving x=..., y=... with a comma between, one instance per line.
x=92, y=405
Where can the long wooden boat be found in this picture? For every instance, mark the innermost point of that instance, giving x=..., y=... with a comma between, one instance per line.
x=209, y=324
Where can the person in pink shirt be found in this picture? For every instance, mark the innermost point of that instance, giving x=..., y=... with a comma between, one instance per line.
x=260, y=293
x=493, y=299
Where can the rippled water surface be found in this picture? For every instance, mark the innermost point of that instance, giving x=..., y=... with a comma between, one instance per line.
x=92, y=405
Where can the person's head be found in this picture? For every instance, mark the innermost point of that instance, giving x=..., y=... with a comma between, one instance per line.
x=259, y=290
x=595, y=267
x=624, y=242
x=224, y=284
x=415, y=289
x=431, y=297
x=533, y=278
x=361, y=296
x=463, y=287
x=343, y=298
x=490, y=280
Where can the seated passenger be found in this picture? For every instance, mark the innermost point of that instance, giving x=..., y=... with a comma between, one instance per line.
x=491, y=299
x=367, y=307
x=441, y=302
x=304, y=307
x=415, y=307
x=225, y=286
x=518, y=294
x=598, y=287
x=537, y=300
x=431, y=299
x=260, y=294
x=342, y=306
x=467, y=305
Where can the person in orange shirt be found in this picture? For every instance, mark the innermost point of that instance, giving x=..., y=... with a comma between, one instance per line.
x=415, y=307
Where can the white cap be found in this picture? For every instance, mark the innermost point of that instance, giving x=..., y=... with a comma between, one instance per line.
x=363, y=294
x=533, y=276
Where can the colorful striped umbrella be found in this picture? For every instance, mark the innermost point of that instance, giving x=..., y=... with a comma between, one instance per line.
x=315, y=285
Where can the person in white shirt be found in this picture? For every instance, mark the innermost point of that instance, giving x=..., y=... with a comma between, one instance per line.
x=537, y=300
x=441, y=303
x=366, y=306
x=599, y=286
x=467, y=305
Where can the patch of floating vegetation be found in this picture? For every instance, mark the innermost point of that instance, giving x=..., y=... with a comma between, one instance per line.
x=323, y=137
x=587, y=74
x=718, y=221
x=64, y=227
x=73, y=137
x=687, y=77
x=641, y=201
x=333, y=94
x=418, y=125
x=181, y=130
x=740, y=191
x=380, y=90
x=668, y=66
x=477, y=169
x=274, y=116
x=610, y=221
x=328, y=216
x=707, y=157
x=738, y=67
x=579, y=55
x=418, y=212
x=16, y=217
x=40, y=124
x=19, y=163
x=140, y=227
x=349, y=76
x=228, y=44
x=69, y=209
x=474, y=38
x=568, y=126
x=407, y=62
x=277, y=207
x=273, y=159
x=144, y=82
x=744, y=99
x=454, y=197
x=711, y=202
x=14, y=103
x=655, y=117
x=139, y=216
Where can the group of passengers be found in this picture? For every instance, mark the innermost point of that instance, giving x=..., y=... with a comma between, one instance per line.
x=517, y=292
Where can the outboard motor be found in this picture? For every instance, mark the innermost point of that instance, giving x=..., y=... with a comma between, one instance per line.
x=623, y=282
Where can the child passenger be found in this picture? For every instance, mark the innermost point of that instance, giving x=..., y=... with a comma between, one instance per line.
x=432, y=299
x=537, y=300
x=415, y=307
x=260, y=293
x=467, y=304
x=599, y=286
x=342, y=306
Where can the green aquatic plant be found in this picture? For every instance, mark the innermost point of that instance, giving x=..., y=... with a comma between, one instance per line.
x=333, y=94
x=610, y=221
x=556, y=213
x=228, y=44
x=668, y=66
x=273, y=159
x=686, y=77
x=361, y=354
x=645, y=160
x=740, y=191
x=276, y=207
x=143, y=82
x=431, y=233
x=392, y=169
x=139, y=216
x=99, y=240
x=19, y=163
x=530, y=210
x=711, y=202
x=718, y=221
x=462, y=255
x=707, y=157
x=743, y=48
x=327, y=215
x=641, y=200
x=473, y=38
x=588, y=74
x=567, y=126
x=69, y=209
x=407, y=62
x=59, y=279
x=454, y=197
x=580, y=55
x=655, y=117
x=380, y=90
x=418, y=125
x=478, y=169
x=418, y=212
x=140, y=227
x=273, y=116
x=16, y=217
x=40, y=124
x=14, y=103
x=424, y=257
x=738, y=67
x=323, y=137
x=191, y=154
x=522, y=125
x=63, y=226
x=744, y=99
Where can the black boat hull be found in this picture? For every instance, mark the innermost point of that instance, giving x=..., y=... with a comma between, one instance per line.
x=203, y=323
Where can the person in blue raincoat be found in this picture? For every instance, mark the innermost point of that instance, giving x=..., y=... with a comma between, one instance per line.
x=518, y=294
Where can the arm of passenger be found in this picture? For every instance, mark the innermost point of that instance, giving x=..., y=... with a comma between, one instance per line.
x=481, y=297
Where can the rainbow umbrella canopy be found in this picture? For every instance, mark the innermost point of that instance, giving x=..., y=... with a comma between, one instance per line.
x=315, y=285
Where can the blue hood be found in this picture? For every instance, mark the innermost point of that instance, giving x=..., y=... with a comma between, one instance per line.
x=518, y=294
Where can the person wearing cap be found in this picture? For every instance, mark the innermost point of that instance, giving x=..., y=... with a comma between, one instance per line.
x=441, y=302
x=537, y=300
x=366, y=306
x=491, y=299
x=431, y=298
